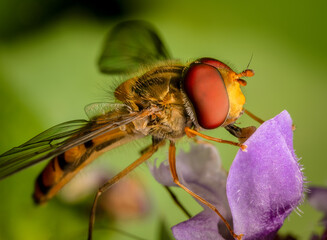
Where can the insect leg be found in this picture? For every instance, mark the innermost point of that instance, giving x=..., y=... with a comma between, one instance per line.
x=192, y=133
x=254, y=117
x=172, y=165
x=178, y=203
x=172, y=195
x=259, y=120
x=146, y=155
x=198, y=141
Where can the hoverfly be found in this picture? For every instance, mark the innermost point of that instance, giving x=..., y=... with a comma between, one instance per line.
x=165, y=99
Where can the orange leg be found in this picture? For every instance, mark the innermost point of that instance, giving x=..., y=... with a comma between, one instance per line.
x=146, y=155
x=196, y=140
x=254, y=117
x=172, y=165
x=259, y=120
x=192, y=133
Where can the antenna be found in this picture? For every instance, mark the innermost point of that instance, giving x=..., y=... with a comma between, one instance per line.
x=249, y=61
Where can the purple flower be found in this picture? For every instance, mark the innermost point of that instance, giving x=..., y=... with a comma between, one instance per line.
x=317, y=197
x=263, y=186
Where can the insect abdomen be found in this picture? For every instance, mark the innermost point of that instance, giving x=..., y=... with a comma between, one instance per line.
x=65, y=166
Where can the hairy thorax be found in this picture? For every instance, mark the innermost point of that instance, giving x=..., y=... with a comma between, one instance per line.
x=158, y=88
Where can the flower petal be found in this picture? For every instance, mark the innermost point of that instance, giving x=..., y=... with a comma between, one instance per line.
x=265, y=183
x=317, y=197
x=201, y=171
x=202, y=226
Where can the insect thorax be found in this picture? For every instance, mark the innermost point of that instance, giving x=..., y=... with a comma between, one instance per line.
x=160, y=88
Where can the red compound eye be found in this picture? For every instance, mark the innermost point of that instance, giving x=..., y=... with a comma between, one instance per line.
x=213, y=62
x=206, y=90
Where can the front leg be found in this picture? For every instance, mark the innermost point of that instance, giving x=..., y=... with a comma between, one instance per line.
x=173, y=171
x=192, y=133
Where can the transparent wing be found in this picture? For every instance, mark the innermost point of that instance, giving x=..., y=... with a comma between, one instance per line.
x=97, y=109
x=37, y=148
x=59, y=139
x=130, y=45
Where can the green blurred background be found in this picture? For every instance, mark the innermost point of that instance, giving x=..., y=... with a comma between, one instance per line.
x=48, y=73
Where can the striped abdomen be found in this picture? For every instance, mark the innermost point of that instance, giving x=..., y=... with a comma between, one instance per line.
x=65, y=166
